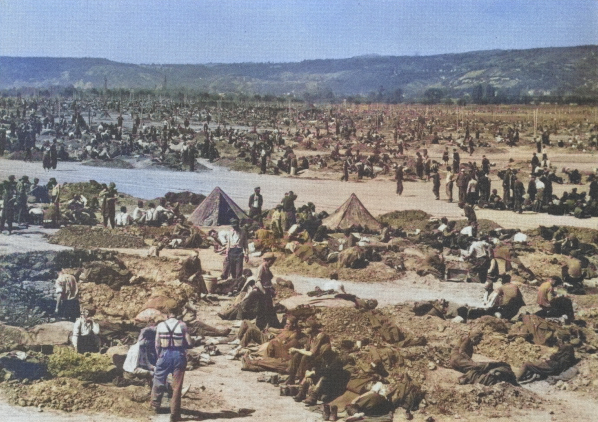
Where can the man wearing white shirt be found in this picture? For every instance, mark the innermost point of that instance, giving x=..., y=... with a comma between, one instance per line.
x=139, y=213
x=479, y=254
x=86, y=333
x=236, y=245
x=123, y=218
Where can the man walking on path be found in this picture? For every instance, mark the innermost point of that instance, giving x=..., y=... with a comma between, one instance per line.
x=172, y=342
x=399, y=178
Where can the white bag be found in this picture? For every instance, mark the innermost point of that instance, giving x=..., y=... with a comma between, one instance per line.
x=132, y=358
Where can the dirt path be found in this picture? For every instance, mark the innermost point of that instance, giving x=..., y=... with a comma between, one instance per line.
x=28, y=240
x=377, y=194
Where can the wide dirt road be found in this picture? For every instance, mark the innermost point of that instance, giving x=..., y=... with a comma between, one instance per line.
x=377, y=194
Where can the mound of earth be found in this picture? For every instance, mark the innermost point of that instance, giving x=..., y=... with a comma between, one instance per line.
x=153, y=284
x=185, y=197
x=374, y=272
x=66, y=362
x=87, y=189
x=408, y=219
x=85, y=237
x=115, y=163
x=70, y=395
x=36, y=155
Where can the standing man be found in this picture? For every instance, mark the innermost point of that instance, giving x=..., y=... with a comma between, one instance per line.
x=456, y=160
x=22, y=191
x=192, y=155
x=518, y=192
x=108, y=196
x=462, y=182
x=436, y=184
x=288, y=206
x=450, y=180
x=172, y=342
x=54, y=154
x=399, y=178
x=235, y=242
x=255, y=205
x=506, y=187
x=9, y=200
x=485, y=165
x=345, y=177
x=2, y=141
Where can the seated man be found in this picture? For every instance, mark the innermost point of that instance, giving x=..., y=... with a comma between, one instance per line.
x=505, y=302
x=141, y=357
x=573, y=277
x=86, y=333
x=326, y=381
x=274, y=352
x=553, y=306
x=139, y=213
x=303, y=359
x=486, y=373
x=495, y=201
x=558, y=362
x=123, y=218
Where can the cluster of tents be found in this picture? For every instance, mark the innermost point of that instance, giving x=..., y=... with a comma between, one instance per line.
x=218, y=209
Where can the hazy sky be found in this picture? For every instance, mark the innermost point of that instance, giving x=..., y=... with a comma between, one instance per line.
x=185, y=31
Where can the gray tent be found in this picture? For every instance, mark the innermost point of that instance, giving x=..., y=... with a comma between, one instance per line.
x=217, y=210
x=352, y=213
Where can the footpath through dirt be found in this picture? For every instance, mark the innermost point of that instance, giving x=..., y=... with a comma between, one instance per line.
x=377, y=195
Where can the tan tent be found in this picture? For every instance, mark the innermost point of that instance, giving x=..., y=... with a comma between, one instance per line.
x=217, y=210
x=352, y=213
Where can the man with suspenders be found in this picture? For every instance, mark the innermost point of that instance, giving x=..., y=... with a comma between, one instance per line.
x=172, y=340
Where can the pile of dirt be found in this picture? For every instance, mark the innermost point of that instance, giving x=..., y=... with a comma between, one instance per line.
x=85, y=237
x=114, y=274
x=148, y=232
x=36, y=155
x=153, y=283
x=487, y=402
x=408, y=219
x=94, y=367
x=89, y=190
x=515, y=352
x=115, y=163
x=347, y=324
x=484, y=225
x=185, y=197
x=374, y=272
x=71, y=395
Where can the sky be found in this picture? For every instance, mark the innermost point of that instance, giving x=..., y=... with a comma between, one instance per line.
x=228, y=31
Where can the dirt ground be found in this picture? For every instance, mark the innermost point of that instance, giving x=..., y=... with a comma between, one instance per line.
x=221, y=387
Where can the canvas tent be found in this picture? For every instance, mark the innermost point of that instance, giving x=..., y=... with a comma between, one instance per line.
x=217, y=210
x=351, y=213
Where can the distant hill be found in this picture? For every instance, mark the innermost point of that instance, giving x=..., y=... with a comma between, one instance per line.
x=544, y=71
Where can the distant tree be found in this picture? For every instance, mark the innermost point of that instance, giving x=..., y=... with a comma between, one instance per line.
x=396, y=96
x=462, y=102
x=433, y=95
x=478, y=94
x=489, y=93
